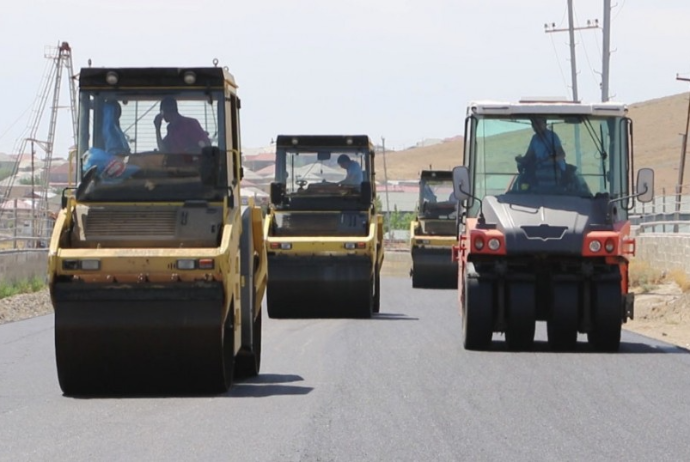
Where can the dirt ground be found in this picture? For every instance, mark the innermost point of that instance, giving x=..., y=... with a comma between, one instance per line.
x=663, y=313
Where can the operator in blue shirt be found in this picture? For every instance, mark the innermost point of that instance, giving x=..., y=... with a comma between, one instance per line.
x=354, y=175
x=544, y=149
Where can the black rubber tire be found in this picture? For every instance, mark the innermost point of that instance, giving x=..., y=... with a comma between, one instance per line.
x=605, y=335
x=377, y=290
x=228, y=351
x=521, y=316
x=248, y=363
x=562, y=325
x=248, y=360
x=416, y=282
x=477, y=314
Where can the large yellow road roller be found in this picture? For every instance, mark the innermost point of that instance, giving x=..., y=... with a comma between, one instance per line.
x=157, y=272
x=434, y=232
x=323, y=233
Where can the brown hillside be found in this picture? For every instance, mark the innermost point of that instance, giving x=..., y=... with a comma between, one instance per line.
x=658, y=125
x=407, y=164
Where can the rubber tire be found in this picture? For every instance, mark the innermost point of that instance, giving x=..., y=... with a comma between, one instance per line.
x=248, y=361
x=377, y=290
x=561, y=327
x=477, y=314
x=416, y=283
x=607, y=321
x=521, y=316
x=228, y=351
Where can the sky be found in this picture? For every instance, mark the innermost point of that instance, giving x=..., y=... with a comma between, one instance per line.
x=397, y=70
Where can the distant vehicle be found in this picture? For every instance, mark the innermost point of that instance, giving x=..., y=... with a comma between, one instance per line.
x=546, y=237
x=323, y=232
x=156, y=271
x=434, y=232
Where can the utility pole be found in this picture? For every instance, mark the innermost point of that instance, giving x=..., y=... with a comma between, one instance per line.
x=681, y=166
x=571, y=30
x=385, y=179
x=606, y=52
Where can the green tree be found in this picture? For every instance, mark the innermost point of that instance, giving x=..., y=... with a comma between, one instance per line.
x=400, y=220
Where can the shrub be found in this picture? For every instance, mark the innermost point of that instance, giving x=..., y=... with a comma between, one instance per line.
x=21, y=287
x=641, y=274
x=681, y=278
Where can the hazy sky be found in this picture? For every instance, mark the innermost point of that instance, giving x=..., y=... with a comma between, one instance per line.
x=400, y=69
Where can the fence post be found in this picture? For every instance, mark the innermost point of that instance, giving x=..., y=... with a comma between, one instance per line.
x=663, y=205
x=15, y=228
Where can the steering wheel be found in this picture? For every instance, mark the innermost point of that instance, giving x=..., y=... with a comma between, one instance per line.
x=301, y=183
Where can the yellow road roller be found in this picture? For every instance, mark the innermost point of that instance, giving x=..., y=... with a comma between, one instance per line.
x=434, y=232
x=323, y=233
x=157, y=272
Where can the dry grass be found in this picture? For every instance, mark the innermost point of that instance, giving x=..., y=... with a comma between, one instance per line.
x=681, y=278
x=643, y=276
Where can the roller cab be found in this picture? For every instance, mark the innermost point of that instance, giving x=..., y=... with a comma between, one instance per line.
x=323, y=233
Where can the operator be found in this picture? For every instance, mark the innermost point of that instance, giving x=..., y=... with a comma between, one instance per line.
x=354, y=175
x=114, y=138
x=184, y=134
x=544, y=149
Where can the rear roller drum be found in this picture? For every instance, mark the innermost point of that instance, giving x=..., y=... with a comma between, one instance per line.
x=521, y=316
x=477, y=314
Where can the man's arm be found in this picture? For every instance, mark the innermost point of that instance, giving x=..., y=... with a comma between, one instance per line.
x=159, y=139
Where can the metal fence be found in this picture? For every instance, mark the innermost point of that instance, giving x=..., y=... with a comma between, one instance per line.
x=667, y=213
x=25, y=228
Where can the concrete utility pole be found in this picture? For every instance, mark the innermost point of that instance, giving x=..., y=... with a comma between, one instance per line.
x=606, y=52
x=385, y=179
x=681, y=166
x=571, y=30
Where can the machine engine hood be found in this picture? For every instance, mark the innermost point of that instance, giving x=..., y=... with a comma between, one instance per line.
x=545, y=223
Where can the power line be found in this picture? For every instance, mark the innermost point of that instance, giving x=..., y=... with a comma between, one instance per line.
x=571, y=30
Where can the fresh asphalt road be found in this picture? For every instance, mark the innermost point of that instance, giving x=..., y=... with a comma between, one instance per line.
x=398, y=387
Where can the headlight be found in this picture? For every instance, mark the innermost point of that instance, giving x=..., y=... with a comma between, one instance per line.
x=494, y=244
x=186, y=264
x=479, y=243
x=189, y=78
x=90, y=265
x=610, y=245
x=594, y=246
x=111, y=77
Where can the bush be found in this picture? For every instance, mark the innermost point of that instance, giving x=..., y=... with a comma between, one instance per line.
x=21, y=287
x=641, y=274
x=681, y=278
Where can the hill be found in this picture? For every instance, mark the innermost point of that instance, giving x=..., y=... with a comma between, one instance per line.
x=657, y=128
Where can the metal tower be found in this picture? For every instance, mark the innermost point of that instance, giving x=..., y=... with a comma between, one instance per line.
x=59, y=57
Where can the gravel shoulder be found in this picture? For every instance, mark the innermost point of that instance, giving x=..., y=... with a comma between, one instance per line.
x=662, y=314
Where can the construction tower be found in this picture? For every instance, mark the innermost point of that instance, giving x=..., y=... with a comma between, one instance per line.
x=59, y=58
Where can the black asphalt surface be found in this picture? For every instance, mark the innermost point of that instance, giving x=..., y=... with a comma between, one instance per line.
x=398, y=387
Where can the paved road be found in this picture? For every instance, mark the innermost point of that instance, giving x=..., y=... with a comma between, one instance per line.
x=395, y=388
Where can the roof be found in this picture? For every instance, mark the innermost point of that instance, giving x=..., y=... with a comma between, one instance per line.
x=545, y=107
x=323, y=141
x=155, y=77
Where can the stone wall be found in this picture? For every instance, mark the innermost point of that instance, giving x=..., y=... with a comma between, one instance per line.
x=22, y=265
x=664, y=251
